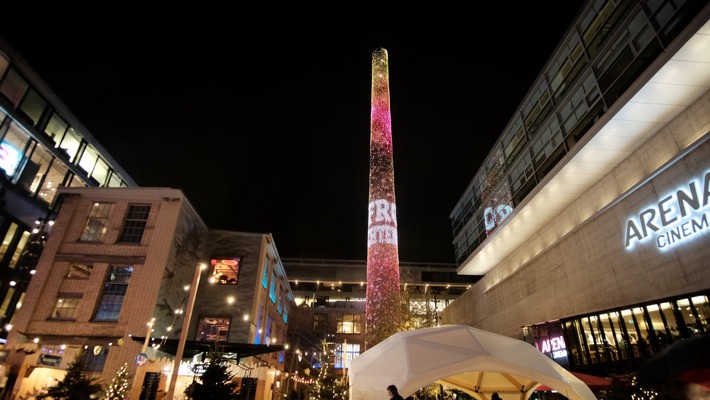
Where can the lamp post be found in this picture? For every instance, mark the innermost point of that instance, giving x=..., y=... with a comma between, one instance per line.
x=185, y=326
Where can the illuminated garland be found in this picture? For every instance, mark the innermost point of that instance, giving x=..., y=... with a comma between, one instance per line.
x=328, y=386
x=305, y=381
x=383, y=310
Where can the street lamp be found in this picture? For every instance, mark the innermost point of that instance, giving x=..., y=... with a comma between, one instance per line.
x=185, y=326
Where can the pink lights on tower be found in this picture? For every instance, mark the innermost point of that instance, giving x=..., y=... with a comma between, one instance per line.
x=383, y=310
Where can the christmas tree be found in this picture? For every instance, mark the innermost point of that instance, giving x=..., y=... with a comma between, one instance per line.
x=328, y=386
x=78, y=383
x=216, y=383
x=118, y=389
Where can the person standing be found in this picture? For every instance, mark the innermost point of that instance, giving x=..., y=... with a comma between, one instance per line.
x=393, y=393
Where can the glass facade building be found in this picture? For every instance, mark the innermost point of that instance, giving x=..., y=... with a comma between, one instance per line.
x=609, y=46
x=585, y=219
x=42, y=147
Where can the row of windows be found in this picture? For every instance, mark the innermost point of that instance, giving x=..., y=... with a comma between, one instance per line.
x=40, y=166
x=579, y=85
x=346, y=323
x=621, y=339
x=134, y=223
x=637, y=333
x=271, y=331
x=110, y=302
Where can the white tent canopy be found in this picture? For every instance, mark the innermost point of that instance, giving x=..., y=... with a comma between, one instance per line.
x=473, y=360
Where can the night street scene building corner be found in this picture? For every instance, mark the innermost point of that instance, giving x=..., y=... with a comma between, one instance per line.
x=589, y=217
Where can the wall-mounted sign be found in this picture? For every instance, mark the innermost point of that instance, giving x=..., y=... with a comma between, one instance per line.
x=141, y=359
x=554, y=346
x=678, y=217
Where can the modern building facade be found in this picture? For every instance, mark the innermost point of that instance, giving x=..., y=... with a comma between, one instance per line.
x=42, y=147
x=330, y=297
x=134, y=275
x=589, y=217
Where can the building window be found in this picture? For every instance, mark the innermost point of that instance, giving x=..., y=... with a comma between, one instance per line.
x=33, y=106
x=225, y=271
x=279, y=304
x=95, y=358
x=265, y=276
x=114, y=292
x=134, y=224
x=267, y=330
x=257, y=338
x=272, y=288
x=320, y=323
x=345, y=353
x=79, y=271
x=348, y=323
x=14, y=86
x=211, y=329
x=96, y=222
x=67, y=306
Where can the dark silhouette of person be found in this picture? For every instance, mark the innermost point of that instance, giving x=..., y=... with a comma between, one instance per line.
x=495, y=396
x=393, y=392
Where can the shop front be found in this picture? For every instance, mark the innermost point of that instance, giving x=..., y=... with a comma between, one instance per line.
x=621, y=339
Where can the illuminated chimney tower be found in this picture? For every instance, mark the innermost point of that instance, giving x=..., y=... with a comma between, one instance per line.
x=383, y=312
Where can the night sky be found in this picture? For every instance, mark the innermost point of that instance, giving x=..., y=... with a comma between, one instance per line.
x=263, y=120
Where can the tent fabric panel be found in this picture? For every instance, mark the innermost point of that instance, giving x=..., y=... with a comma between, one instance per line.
x=413, y=359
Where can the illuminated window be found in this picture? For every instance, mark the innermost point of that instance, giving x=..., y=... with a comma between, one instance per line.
x=114, y=292
x=211, y=329
x=265, y=276
x=56, y=127
x=279, y=304
x=226, y=271
x=134, y=224
x=24, y=237
x=349, y=350
x=96, y=222
x=8, y=239
x=88, y=159
x=272, y=289
x=267, y=329
x=348, y=323
x=33, y=106
x=67, y=306
x=70, y=143
x=257, y=337
x=11, y=147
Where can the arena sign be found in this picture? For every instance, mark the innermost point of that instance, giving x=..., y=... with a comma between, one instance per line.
x=677, y=218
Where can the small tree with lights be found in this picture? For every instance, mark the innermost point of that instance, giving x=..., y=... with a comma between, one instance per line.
x=120, y=385
x=216, y=383
x=328, y=386
x=78, y=383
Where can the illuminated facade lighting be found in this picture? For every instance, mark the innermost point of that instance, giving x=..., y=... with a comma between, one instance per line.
x=383, y=313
